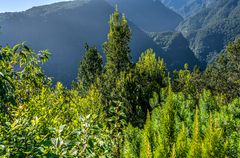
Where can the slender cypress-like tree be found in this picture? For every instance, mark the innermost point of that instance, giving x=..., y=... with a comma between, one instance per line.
x=213, y=145
x=118, y=59
x=173, y=154
x=146, y=151
x=117, y=47
x=168, y=122
x=181, y=142
x=195, y=148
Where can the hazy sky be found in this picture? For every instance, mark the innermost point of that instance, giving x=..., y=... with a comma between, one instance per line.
x=20, y=5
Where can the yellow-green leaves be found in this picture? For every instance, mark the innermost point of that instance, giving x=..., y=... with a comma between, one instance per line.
x=148, y=63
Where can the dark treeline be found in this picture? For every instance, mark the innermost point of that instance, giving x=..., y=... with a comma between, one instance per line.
x=119, y=108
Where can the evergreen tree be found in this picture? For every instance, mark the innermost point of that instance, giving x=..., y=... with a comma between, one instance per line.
x=195, y=148
x=117, y=60
x=146, y=151
x=173, y=154
x=132, y=141
x=168, y=122
x=90, y=67
x=190, y=83
x=148, y=76
x=181, y=143
x=117, y=47
x=223, y=75
x=157, y=140
x=212, y=144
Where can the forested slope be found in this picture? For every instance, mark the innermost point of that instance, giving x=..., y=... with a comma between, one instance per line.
x=212, y=28
x=188, y=8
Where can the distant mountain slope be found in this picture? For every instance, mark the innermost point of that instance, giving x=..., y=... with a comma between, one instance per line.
x=149, y=15
x=64, y=28
x=177, y=47
x=187, y=8
x=212, y=28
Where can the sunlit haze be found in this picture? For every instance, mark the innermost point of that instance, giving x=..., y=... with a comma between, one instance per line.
x=21, y=5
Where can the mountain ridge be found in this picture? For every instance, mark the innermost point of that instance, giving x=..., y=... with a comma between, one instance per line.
x=187, y=8
x=212, y=28
x=177, y=46
x=149, y=15
x=64, y=30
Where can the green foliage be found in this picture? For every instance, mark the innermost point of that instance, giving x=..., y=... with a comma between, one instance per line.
x=223, y=75
x=20, y=75
x=190, y=83
x=90, y=67
x=131, y=146
x=127, y=111
x=117, y=47
x=195, y=147
x=57, y=123
x=148, y=76
x=145, y=148
x=118, y=61
x=182, y=143
x=212, y=143
x=189, y=138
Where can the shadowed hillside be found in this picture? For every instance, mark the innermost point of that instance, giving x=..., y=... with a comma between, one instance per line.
x=212, y=28
x=64, y=28
x=187, y=8
x=177, y=47
x=149, y=15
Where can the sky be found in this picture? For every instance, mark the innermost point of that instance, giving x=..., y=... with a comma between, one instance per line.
x=21, y=5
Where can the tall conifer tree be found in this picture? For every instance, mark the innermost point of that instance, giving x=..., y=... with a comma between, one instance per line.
x=117, y=47
x=195, y=148
x=168, y=122
x=181, y=142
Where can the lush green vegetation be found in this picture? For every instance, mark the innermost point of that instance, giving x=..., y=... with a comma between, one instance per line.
x=121, y=109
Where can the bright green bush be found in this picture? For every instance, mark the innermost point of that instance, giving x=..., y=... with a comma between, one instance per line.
x=208, y=130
